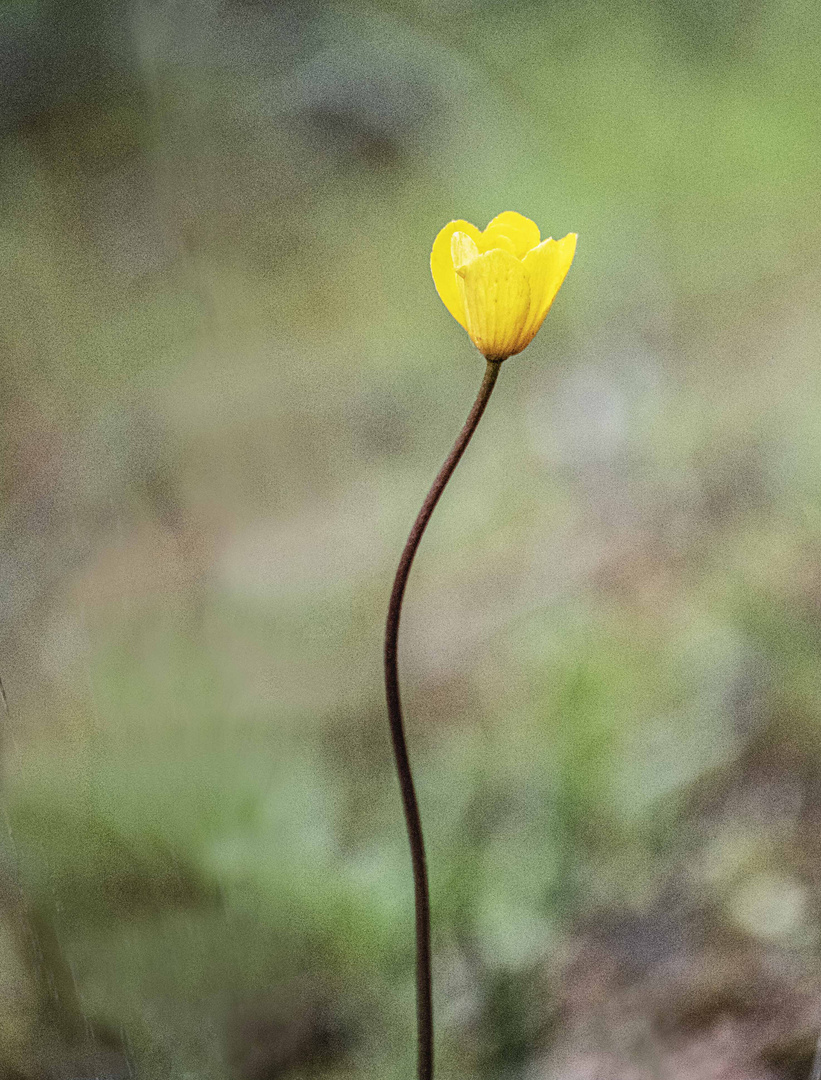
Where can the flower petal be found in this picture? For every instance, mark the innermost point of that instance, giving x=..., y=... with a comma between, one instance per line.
x=463, y=250
x=441, y=266
x=496, y=295
x=546, y=267
x=512, y=231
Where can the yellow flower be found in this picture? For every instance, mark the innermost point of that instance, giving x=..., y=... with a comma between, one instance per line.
x=499, y=284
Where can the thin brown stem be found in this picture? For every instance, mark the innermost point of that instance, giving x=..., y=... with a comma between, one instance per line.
x=424, y=1002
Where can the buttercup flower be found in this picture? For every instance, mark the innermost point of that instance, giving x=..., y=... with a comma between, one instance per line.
x=499, y=284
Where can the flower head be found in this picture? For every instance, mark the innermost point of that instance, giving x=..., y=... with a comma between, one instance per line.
x=499, y=284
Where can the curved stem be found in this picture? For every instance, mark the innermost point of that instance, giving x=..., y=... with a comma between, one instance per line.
x=424, y=1004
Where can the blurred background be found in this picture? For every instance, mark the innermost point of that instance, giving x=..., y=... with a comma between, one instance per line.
x=226, y=382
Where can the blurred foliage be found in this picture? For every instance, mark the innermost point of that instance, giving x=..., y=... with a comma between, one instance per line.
x=226, y=383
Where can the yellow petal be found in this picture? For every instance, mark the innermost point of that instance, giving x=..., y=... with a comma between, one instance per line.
x=546, y=267
x=511, y=231
x=500, y=241
x=463, y=250
x=496, y=297
x=441, y=266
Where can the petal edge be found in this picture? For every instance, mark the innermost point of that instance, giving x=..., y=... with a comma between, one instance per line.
x=442, y=269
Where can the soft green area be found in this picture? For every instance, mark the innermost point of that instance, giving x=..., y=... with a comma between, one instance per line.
x=226, y=383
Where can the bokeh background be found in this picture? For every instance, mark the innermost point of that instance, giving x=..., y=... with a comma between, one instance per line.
x=226, y=384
